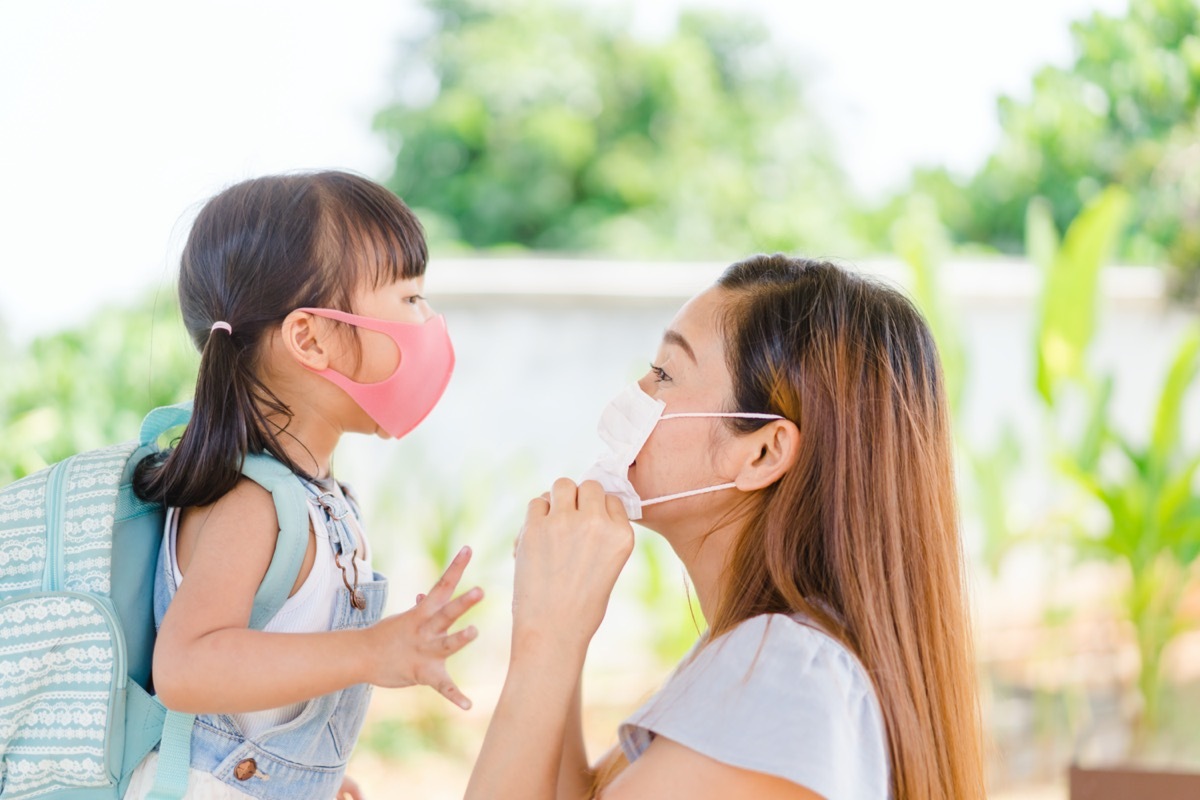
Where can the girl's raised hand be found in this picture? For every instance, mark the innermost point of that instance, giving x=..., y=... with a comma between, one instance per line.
x=349, y=790
x=569, y=553
x=412, y=647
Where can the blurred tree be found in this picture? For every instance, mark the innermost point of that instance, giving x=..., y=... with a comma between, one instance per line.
x=90, y=386
x=1126, y=112
x=551, y=126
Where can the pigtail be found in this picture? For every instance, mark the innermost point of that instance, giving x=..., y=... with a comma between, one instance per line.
x=227, y=423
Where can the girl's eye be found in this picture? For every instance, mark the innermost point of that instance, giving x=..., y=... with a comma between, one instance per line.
x=660, y=374
x=414, y=299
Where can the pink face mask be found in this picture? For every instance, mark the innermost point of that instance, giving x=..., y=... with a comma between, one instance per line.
x=401, y=401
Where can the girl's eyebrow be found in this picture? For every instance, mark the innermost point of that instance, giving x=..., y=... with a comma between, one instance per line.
x=676, y=338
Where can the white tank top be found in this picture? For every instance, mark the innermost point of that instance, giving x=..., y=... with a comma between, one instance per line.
x=309, y=610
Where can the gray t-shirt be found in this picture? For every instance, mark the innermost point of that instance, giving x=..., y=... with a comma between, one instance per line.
x=777, y=696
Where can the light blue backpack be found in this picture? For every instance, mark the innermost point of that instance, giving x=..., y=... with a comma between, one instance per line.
x=78, y=552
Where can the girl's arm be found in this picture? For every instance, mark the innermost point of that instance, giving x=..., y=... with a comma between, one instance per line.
x=569, y=555
x=206, y=660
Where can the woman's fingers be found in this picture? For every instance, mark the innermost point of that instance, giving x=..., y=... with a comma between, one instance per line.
x=444, y=588
x=448, y=614
x=563, y=495
x=591, y=497
x=615, y=508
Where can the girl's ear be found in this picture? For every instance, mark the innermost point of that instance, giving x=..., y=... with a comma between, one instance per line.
x=306, y=339
x=771, y=452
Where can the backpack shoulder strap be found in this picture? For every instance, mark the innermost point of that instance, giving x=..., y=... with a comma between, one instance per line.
x=291, y=507
x=161, y=420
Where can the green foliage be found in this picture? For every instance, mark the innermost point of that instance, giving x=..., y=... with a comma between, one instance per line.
x=90, y=386
x=1067, y=318
x=1125, y=113
x=554, y=127
x=1149, y=494
x=919, y=239
x=1145, y=487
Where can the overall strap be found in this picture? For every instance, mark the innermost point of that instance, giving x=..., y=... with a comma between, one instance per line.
x=291, y=507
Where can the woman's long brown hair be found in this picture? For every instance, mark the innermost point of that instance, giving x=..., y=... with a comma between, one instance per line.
x=865, y=524
x=861, y=534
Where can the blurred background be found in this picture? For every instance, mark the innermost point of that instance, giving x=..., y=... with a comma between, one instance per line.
x=1029, y=172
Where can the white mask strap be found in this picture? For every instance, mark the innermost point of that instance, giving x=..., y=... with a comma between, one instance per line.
x=679, y=495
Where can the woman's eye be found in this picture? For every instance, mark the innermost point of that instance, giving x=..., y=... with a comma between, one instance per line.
x=660, y=374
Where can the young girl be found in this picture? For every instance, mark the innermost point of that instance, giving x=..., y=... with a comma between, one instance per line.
x=791, y=441
x=304, y=295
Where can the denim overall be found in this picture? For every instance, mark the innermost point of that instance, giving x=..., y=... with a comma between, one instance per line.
x=306, y=757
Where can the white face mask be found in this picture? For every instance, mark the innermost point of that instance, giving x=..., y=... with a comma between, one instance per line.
x=625, y=425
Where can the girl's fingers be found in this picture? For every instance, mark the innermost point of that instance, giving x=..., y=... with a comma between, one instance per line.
x=447, y=614
x=350, y=789
x=444, y=588
x=449, y=645
x=446, y=688
x=420, y=597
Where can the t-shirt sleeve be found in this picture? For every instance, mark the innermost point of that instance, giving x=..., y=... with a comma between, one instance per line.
x=778, y=697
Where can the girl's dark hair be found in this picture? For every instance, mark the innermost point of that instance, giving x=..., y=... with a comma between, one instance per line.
x=257, y=251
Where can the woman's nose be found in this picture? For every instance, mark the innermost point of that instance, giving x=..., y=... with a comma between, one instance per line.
x=647, y=383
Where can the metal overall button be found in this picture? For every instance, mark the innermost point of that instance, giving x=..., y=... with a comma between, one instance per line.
x=246, y=769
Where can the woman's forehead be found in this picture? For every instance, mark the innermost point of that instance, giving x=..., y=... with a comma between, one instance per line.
x=699, y=324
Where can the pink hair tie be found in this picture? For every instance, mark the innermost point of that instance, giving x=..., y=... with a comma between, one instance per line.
x=223, y=326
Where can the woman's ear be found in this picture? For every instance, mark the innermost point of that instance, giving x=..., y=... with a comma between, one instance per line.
x=306, y=339
x=771, y=452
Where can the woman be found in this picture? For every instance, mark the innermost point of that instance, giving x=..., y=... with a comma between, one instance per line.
x=817, y=519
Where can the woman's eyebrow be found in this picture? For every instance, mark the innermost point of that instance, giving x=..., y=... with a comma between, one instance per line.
x=676, y=338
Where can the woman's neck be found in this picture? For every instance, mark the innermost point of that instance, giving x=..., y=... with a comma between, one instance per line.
x=705, y=551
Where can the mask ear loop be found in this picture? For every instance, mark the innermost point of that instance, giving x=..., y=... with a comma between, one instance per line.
x=718, y=487
x=691, y=493
x=727, y=414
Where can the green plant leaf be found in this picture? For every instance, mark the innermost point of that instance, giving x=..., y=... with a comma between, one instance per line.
x=1041, y=235
x=1068, y=304
x=1091, y=443
x=1166, y=437
x=1175, y=506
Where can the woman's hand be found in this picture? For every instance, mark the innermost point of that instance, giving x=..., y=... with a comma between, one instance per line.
x=569, y=553
x=412, y=647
